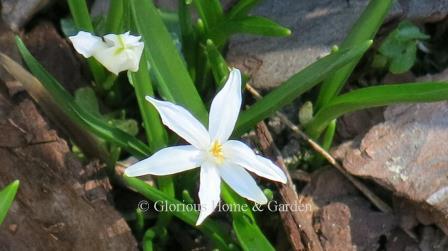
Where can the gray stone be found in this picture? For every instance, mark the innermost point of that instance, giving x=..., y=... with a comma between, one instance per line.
x=317, y=26
x=16, y=13
x=407, y=155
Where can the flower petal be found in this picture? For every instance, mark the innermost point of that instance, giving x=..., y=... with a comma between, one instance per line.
x=182, y=122
x=241, y=181
x=86, y=44
x=117, y=60
x=225, y=108
x=209, y=190
x=239, y=153
x=167, y=161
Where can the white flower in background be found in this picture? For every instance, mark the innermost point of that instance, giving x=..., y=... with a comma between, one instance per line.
x=116, y=52
x=212, y=150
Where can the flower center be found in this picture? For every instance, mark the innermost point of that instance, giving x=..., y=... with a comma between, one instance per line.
x=216, y=151
x=122, y=45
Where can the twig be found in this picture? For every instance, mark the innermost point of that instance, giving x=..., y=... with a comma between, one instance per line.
x=377, y=201
x=292, y=220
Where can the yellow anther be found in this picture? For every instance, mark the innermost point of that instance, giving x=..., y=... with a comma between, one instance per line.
x=216, y=151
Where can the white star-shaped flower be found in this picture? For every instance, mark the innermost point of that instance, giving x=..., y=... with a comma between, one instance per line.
x=116, y=52
x=212, y=150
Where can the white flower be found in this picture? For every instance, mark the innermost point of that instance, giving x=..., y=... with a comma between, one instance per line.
x=117, y=52
x=212, y=150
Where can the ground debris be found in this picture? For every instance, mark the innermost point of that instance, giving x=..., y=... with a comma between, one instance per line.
x=61, y=205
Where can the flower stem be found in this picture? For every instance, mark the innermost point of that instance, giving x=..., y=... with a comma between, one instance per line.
x=114, y=17
x=81, y=17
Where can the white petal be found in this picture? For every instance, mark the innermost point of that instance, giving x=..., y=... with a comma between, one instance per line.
x=209, y=190
x=182, y=122
x=167, y=161
x=241, y=181
x=239, y=153
x=86, y=44
x=123, y=53
x=117, y=60
x=225, y=108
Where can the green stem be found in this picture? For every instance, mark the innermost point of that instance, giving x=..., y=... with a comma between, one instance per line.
x=81, y=17
x=114, y=16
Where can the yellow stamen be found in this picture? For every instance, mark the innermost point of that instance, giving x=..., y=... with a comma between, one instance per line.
x=122, y=45
x=216, y=151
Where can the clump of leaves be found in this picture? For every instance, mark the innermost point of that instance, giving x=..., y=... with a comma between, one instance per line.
x=399, y=50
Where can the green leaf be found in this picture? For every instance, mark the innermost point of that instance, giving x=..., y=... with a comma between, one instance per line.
x=364, y=29
x=217, y=62
x=400, y=47
x=297, y=85
x=242, y=8
x=406, y=31
x=211, y=229
x=80, y=116
x=115, y=16
x=85, y=97
x=188, y=35
x=129, y=126
x=7, y=195
x=155, y=131
x=253, y=238
x=210, y=11
x=81, y=18
x=173, y=79
x=404, y=62
x=377, y=96
x=244, y=224
x=251, y=25
x=80, y=14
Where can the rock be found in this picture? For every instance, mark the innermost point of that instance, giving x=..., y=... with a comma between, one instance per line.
x=406, y=154
x=60, y=205
x=344, y=219
x=317, y=26
x=358, y=123
x=56, y=55
x=16, y=13
x=425, y=10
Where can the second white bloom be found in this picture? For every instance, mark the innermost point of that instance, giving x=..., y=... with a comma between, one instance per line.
x=212, y=150
x=116, y=52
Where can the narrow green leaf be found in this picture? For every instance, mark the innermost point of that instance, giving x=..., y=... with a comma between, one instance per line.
x=7, y=195
x=296, y=86
x=250, y=24
x=95, y=124
x=364, y=29
x=188, y=35
x=81, y=18
x=244, y=224
x=211, y=229
x=242, y=8
x=377, y=96
x=80, y=14
x=155, y=131
x=210, y=11
x=173, y=79
x=115, y=16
